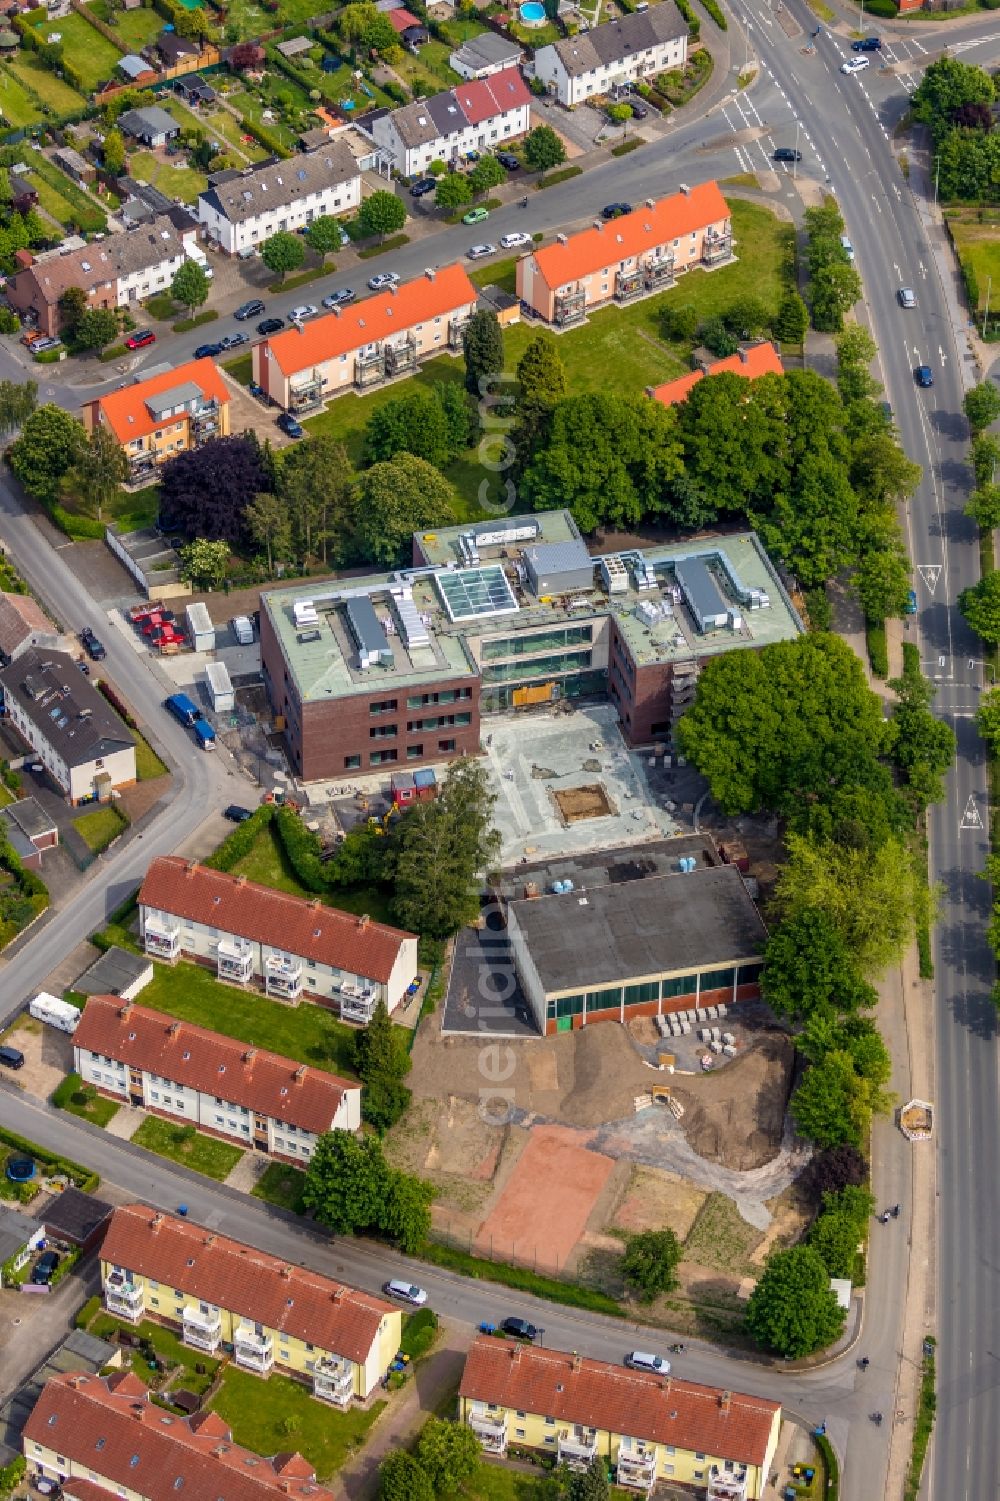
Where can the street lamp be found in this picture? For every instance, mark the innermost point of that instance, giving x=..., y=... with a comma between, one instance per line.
x=937, y=176
x=795, y=164
x=986, y=313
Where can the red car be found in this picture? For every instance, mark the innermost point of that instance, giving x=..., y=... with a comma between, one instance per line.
x=139, y=613
x=140, y=338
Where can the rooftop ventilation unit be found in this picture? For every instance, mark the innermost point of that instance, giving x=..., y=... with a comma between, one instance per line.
x=614, y=574
x=411, y=627
x=304, y=613
x=366, y=629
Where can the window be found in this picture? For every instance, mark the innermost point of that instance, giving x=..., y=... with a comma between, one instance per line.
x=699, y=1456
x=680, y=985
x=352, y=763
x=380, y=758
x=446, y=745
x=382, y=706
x=636, y=995
x=717, y=979
x=382, y=732
x=519, y=1432
x=414, y=752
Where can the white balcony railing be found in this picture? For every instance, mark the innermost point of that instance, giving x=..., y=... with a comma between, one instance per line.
x=636, y=1466
x=357, y=1003
x=282, y=976
x=123, y=1299
x=162, y=937
x=727, y=1485
x=234, y=959
x=252, y=1349
x=577, y=1447
x=202, y=1330
x=491, y=1430
x=333, y=1380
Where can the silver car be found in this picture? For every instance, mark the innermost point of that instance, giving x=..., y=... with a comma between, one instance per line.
x=907, y=298
x=303, y=311
x=476, y=252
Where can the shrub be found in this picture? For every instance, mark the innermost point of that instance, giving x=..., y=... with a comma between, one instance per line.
x=694, y=24
x=86, y=1313
x=715, y=12
x=12, y=1474
x=241, y=841
x=302, y=847
x=9, y=321
x=878, y=648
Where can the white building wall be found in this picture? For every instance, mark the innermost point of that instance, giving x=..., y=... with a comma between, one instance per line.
x=524, y=965
x=337, y=198
x=139, y=285
x=105, y=1073
x=575, y=90
x=487, y=135
x=119, y=766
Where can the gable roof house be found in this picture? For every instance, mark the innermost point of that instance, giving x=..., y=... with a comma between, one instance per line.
x=174, y=51
x=486, y=54
x=361, y=346
x=23, y=624
x=241, y=209
x=751, y=361
x=115, y=272
x=594, y=62
x=155, y=419
x=81, y=742
x=136, y=69
x=478, y=115
x=151, y=126
x=639, y=253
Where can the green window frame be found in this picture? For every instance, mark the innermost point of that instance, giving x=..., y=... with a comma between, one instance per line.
x=680, y=985
x=718, y=979
x=569, y=1005
x=605, y=1000
x=642, y=993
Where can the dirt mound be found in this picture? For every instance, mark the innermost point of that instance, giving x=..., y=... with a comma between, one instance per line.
x=736, y=1116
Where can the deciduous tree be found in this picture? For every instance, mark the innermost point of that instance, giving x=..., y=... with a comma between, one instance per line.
x=50, y=444
x=382, y=213
x=792, y=319
x=413, y=422
x=980, y=604
x=541, y=385
x=282, y=253
x=988, y=718
x=204, y=563
x=401, y=1478
x=323, y=236
x=18, y=399
x=808, y=968
x=649, y=1265
x=72, y=306
x=382, y=1062
x=486, y=174
x=884, y=583
x=96, y=328
x=792, y=1310
x=452, y=191
x=267, y=520
x=543, y=149
x=190, y=286
x=981, y=406
x=590, y=1484
x=205, y=491
x=395, y=499
x=449, y=1453
x=837, y=1167
x=100, y=469
x=442, y=848
x=315, y=482
x=113, y=152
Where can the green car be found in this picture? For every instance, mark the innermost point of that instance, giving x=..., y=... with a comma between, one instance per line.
x=476, y=216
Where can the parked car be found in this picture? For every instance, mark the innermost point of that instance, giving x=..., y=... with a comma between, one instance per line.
x=11, y=1058
x=476, y=252
x=270, y=325
x=924, y=375
x=907, y=298
x=639, y=111
x=509, y=161
x=251, y=309
x=911, y=603
x=232, y=341
x=236, y=814
x=207, y=351
x=38, y=767
x=303, y=311
x=140, y=338
x=91, y=645
x=516, y=238
x=615, y=210
x=406, y=1292
x=867, y=44
x=340, y=298
x=41, y=345
x=381, y=280
x=288, y=425
x=787, y=154
x=855, y=65
x=520, y=1329
x=423, y=185
x=44, y=1269
x=641, y=1360
x=476, y=216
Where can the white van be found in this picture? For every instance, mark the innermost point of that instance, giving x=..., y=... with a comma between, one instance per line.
x=641, y=1360
x=847, y=247
x=195, y=253
x=55, y=1013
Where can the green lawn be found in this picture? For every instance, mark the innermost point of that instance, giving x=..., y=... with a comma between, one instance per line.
x=502, y=273
x=273, y=1416
x=71, y=1097
x=94, y=57
x=148, y=765
x=63, y=98
x=241, y=369
x=252, y=108
x=168, y=1347
x=51, y=202
x=282, y=1185
x=219, y=123
x=98, y=827
x=307, y=1033
x=495, y=1482
x=16, y=106
x=131, y=510
x=978, y=246
x=268, y=864
x=171, y=175
x=431, y=62
x=216, y=1159
x=136, y=28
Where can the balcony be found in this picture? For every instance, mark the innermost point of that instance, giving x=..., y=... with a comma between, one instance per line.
x=629, y=285
x=401, y=358
x=202, y=1330
x=253, y=1350
x=456, y=333
x=123, y=1299
x=570, y=307
x=369, y=368
x=282, y=977
x=727, y=1485
x=204, y=422
x=140, y=465
x=235, y=960
x=577, y=1446
x=490, y=1429
x=636, y=1469
x=333, y=1380
x=659, y=273
x=717, y=249
x=357, y=1003
x=305, y=395
x=162, y=937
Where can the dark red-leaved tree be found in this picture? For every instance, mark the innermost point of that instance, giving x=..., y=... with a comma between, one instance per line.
x=205, y=492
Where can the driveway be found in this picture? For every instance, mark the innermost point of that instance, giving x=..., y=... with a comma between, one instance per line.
x=48, y=1055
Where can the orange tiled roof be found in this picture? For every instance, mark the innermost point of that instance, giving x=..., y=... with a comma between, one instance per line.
x=232, y=904
x=219, y=1066
x=402, y=20
x=201, y=1264
x=757, y=360
x=112, y=1428
x=620, y=239
x=596, y=1394
x=126, y=413
x=369, y=321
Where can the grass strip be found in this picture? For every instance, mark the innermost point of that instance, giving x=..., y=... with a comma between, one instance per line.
x=523, y=1279
x=303, y=278
x=922, y=1428
x=184, y=325
x=392, y=244
x=626, y=147
x=552, y=178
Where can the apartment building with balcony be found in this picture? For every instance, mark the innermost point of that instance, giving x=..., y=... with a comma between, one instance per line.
x=175, y=1069
x=219, y=1293
x=239, y=210
x=623, y=259
x=154, y=420
x=290, y=947
x=366, y=344
x=648, y=1428
x=97, y=1436
x=598, y=61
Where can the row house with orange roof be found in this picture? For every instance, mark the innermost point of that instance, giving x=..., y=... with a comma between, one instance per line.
x=480, y=114
x=629, y=257
x=367, y=343
x=154, y=420
x=219, y=1292
x=224, y=1087
x=751, y=362
x=648, y=1427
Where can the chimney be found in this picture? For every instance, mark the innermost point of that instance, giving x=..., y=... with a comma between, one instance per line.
x=299, y=1073
x=577, y=1361
x=249, y=1056
x=190, y=868
x=363, y=921
x=744, y=355
x=515, y=1355
x=136, y=1409
x=430, y=273
x=315, y=904
x=725, y=1400
x=562, y=239
x=337, y=1296
x=685, y=189
x=156, y=1222
x=241, y=880
x=125, y=1011
x=599, y=224
x=668, y=1382
x=286, y=1271
x=210, y=1240
x=649, y=202
x=173, y=1029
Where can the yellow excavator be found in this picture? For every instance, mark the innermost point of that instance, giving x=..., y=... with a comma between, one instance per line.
x=384, y=824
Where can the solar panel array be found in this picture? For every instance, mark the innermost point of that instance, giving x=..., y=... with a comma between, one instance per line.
x=476, y=593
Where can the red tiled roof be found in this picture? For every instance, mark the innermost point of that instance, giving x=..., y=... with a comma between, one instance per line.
x=219, y=1066
x=116, y=1431
x=620, y=239
x=596, y=1394
x=483, y=98
x=306, y=929
x=20, y=617
x=245, y=1281
x=369, y=321
x=126, y=413
x=757, y=360
x=402, y=20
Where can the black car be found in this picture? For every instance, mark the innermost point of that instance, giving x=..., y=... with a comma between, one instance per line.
x=423, y=185
x=236, y=814
x=44, y=1268
x=91, y=645
x=270, y=325
x=288, y=425
x=508, y=160
x=787, y=154
x=615, y=210
x=639, y=111
x=251, y=309
x=520, y=1329
x=867, y=44
x=207, y=351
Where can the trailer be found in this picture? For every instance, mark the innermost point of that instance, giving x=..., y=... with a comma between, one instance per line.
x=200, y=627
x=55, y=1013
x=220, y=688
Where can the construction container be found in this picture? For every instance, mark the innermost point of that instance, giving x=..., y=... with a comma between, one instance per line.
x=220, y=688
x=200, y=627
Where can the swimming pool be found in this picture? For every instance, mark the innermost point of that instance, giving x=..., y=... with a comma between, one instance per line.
x=532, y=13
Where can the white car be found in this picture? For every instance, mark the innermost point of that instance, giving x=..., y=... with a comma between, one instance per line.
x=382, y=280
x=476, y=252
x=907, y=297
x=641, y=1360
x=304, y=311
x=515, y=240
x=855, y=65
x=406, y=1292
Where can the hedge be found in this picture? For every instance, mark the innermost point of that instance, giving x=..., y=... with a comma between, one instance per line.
x=829, y=1458
x=117, y=703
x=241, y=841
x=12, y=1474
x=563, y=174
x=625, y=147
x=264, y=138
x=878, y=648
x=713, y=9
x=694, y=23
x=302, y=847
x=84, y=1177
x=184, y=325
x=82, y=528
x=393, y=243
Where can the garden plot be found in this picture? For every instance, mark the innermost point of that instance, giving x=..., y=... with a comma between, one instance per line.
x=94, y=57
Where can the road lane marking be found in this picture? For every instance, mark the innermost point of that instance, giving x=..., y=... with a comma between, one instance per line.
x=930, y=573
x=971, y=818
